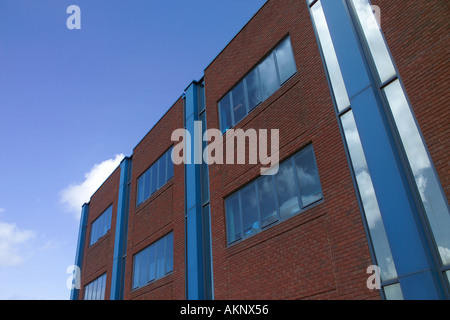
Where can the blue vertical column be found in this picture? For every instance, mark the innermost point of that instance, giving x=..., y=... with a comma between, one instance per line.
x=197, y=231
x=411, y=253
x=120, y=239
x=80, y=245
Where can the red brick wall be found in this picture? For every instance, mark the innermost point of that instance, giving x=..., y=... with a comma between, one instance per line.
x=417, y=33
x=98, y=258
x=321, y=253
x=162, y=213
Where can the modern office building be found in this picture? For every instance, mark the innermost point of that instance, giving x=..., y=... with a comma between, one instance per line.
x=354, y=107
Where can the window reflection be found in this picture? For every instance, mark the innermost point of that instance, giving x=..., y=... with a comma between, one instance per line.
x=308, y=177
x=285, y=60
x=375, y=40
x=269, y=78
x=239, y=105
x=329, y=53
x=286, y=190
x=393, y=292
x=249, y=205
x=368, y=198
x=253, y=89
x=267, y=200
x=427, y=182
x=233, y=218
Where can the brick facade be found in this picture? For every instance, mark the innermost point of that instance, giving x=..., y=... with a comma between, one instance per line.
x=323, y=252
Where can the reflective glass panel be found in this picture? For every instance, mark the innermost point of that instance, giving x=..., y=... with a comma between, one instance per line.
x=253, y=89
x=151, y=263
x=393, y=292
x=239, y=105
x=154, y=176
x=267, y=200
x=162, y=170
x=285, y=60
x=249, y=205
x=160, y=267
x=268, y=76
x=308, y=177
x=169, y=252
x=375, y=41
x=286, y=190
x=368, y=198
x=428, y=184
x=233, y=218
x=225, y=113
x=329, y=53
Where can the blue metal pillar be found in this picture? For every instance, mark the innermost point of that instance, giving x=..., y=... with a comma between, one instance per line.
x=74, y=294
x=120, y=239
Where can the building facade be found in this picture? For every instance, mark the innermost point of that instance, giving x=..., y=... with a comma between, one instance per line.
x=352, y=105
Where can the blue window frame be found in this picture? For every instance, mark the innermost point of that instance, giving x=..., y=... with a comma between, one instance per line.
x=153, y=262
x=270, y=199
x=101, y=225
x=259, y=84
x=155, y=177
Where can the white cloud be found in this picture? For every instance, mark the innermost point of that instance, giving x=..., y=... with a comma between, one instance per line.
x=11, y=241
x=75, y=195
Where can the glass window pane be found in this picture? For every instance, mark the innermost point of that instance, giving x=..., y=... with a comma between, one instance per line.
x=428, y=184
x=109, y=217
x=233, y=218
x=239, y=105
x=169, y=164
x=143, y=271
x=94, y=290
x=447, y=273
x=140, y=189
x=285, y=60
x=268, y=75
x=286, y=190
x=308, y=177
x=225, y=113
x=151, y=263
x=393, y=292
x=160, y=267
x=85, y=297
x=375, y=40
x=249, y=205
x=368, y=198
x=102, y=294
x=329, y=53
x=169, y=252
x=162, y=171
x=104, y=223
x=154, y=175
x=267, y=200
x=253, y=89
x=136, y=270
x=147, y=181
x=88, y=291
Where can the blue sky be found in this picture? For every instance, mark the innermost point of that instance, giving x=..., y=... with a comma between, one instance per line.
x=74, y=102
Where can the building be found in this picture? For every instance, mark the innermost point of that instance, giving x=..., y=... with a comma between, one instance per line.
x=358, y=208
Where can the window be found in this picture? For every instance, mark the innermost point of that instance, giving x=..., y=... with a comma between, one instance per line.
x=258, y=85
x=270, y=199
x=95, y=290
x=154, y=262
x=101, y=225
x=155, y=177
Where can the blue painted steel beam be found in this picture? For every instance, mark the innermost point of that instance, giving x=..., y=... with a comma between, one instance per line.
x=74, y=294
x=120, y=240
